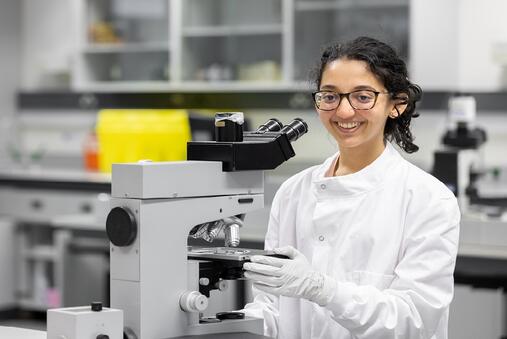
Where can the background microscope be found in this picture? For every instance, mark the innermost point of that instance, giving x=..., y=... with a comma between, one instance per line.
x=458, y=163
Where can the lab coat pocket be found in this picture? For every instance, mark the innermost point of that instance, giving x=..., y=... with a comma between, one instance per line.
x=367, y=278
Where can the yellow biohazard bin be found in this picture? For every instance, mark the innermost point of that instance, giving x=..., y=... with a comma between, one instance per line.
x=130, y=135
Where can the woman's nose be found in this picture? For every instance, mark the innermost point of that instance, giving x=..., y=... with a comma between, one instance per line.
x=344, y=109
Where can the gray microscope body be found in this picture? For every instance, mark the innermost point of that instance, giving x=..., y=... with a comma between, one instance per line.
x=155, y=280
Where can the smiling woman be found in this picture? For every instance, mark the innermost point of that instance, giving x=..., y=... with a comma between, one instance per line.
x=371, y=239
x=380, y=100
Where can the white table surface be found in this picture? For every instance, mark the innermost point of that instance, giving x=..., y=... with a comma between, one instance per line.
x=20, y=333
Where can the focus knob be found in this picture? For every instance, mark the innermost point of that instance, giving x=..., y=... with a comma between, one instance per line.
x=96, y=306
x=193, y=302
x=121, y=227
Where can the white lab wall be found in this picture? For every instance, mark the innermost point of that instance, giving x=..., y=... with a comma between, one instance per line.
x=9, y=55
x=434, y=43
x=482, y=25
x=9, y=50
x=452, y=41
x=48, y=40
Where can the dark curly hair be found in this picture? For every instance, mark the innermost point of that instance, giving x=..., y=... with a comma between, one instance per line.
x=387, y=66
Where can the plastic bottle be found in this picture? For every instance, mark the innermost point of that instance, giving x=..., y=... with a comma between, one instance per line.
x=40, y=283
x=91, y=152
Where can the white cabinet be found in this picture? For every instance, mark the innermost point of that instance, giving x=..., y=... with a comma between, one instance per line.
x=318, y=23
x=220, y=44
x=233, y=40
x=454, y=44
x=54, y=247
x=123, y=43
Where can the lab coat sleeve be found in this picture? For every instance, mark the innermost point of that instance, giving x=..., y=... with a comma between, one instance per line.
x=422, y=288
x=265, y=305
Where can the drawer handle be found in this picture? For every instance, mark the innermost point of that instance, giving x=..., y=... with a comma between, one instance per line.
x=36, y=204
x=86, y=208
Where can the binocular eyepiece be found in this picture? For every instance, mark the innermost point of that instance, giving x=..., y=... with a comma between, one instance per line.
x=229, y=127
x=294, y=130
x=272, y=125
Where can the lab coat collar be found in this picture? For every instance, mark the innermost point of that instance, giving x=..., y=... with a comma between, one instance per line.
x=364, y=180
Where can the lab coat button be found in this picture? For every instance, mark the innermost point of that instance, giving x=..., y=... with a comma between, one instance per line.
x=323, y=186
x=321, y=238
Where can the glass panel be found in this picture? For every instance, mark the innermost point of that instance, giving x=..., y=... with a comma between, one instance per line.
x=148, y=66
x=231, y=12
x=127, y=21
x=244, y=58
x=319, y=23
x=228, y=40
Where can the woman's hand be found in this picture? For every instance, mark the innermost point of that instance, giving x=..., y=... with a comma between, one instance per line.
x=293, y=277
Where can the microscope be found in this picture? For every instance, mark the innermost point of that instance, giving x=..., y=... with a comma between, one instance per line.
x=161, y=284
x=458, y=163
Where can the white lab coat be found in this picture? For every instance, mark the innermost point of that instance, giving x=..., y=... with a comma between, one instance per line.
x=388, y=234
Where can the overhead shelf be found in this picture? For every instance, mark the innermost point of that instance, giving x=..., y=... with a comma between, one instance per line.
x=129, y=86
x=142, y=47
x=193, y=86
x=308, y=5
x=212, y=31
x=41, y=252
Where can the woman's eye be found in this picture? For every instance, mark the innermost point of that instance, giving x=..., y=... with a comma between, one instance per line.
x=364, y=97
x=329, y=97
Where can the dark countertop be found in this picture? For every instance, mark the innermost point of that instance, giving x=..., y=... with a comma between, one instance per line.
x=55, y=179
x=481, y=272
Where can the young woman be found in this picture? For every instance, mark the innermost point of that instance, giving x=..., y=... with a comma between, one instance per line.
x=371, y=239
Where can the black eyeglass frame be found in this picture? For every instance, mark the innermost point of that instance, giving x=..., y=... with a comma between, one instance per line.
x=347, y=95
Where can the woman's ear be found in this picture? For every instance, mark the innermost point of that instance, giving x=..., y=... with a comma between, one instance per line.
x=400, y=102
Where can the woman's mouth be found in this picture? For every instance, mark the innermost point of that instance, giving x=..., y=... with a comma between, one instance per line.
x=348, y=127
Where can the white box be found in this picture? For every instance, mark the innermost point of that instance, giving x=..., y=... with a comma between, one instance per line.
x=83, y=323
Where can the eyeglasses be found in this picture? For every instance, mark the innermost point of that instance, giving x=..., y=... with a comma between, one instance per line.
x=360, y=100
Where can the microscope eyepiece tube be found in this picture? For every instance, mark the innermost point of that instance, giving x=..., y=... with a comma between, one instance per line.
x=295, y=129
x=272, y=125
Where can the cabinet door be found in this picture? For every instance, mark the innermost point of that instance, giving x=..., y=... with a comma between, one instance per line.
x=318, y=23
x=232, y=40
x=122, y=42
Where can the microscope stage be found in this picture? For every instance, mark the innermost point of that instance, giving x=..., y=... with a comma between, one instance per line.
x=226, y=253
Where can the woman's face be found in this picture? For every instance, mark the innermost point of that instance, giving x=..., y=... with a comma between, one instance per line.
x=353, y=128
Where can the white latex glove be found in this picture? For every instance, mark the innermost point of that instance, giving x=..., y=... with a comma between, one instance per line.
x=292, y=277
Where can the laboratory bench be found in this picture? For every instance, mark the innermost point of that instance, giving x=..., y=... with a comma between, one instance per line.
x=59, y=219
x=482, y=253
x=19, y=333
x=60, y=250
